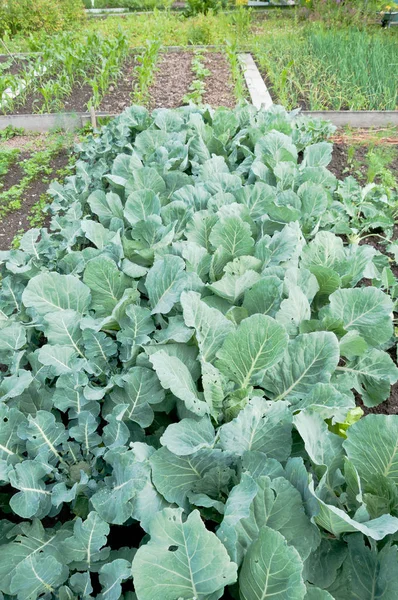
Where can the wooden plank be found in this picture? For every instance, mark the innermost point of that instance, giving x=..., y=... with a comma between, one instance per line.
x=258, y=91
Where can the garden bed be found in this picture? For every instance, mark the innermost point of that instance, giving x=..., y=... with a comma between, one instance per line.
x=172, y=80
x=180, y=350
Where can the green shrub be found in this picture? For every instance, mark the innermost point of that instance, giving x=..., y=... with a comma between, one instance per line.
x=196, y=7
x=40, y=15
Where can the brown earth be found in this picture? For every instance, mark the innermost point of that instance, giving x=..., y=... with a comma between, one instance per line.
x=18, y=220
x=219, y=86
x=172, y=80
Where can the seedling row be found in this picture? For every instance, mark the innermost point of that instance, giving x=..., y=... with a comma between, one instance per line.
x=107, y=76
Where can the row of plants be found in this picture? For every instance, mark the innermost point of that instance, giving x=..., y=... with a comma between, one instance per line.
x=323, y=68
x=36, y=165
x=198, y=86
x=62, y=66
x=182, y=354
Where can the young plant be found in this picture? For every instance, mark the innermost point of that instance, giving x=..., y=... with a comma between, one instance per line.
x=198, y=86
x=145, y=71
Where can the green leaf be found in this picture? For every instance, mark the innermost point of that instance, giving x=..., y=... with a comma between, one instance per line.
x=10, y=441
x=276, y=504
x=264, y=297
x=322, y=446
x=210, y=325
x=188, y=436
x=114, y=499
x=321, y=567
x=372, y=447
x=175, y=476
x=271, y=569
x=61, y=359
x=366, y=310
x=97, y=233
x=107, y=285
x=43, y=434
x=85, y=545
x=337, y=521
x=175, y=376
x=293, y=310
x=372, y=376
x=181, y=556
x=377, y=576
x=105, y=206
x=12, y=337
x=40, y=575
x=310, y=358
x=111, y=576
x=33, y=499
x=261, y=426
x=50, y=292
x=258, y=343
x=165, y=282
x=140, y=205
x=140, y=389
x=317, y=155
x=233, y=235
x=317, y=594
x=232, y=287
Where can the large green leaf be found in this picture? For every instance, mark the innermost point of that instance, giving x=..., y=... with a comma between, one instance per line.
x=310, y=358
x=372, y=375
x=175, y=476
x=114, y=499
x=261, y=426
x=140, y=388
x=188, y=436
x=107, y=285
x=175, y=376
x=369, y=573
x=366, y=310
x=165, y=282
x=271, y=569
x=372, y=446
x=40, y=575
x=233, y=235
x=50, y=292
x=277, y=504
x=86, y=543
x=337, y=521
x=181, y=558
x=258, y=343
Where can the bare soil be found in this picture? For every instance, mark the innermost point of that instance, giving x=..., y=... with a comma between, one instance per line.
x=172, y=80
x=18, y=220
x=219, y=86
x=14, y=173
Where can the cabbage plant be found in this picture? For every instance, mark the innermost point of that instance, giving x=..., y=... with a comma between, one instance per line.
x=178, y=351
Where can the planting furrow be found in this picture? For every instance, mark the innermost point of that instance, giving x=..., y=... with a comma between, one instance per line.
x=219, y=87
x=172, y=80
